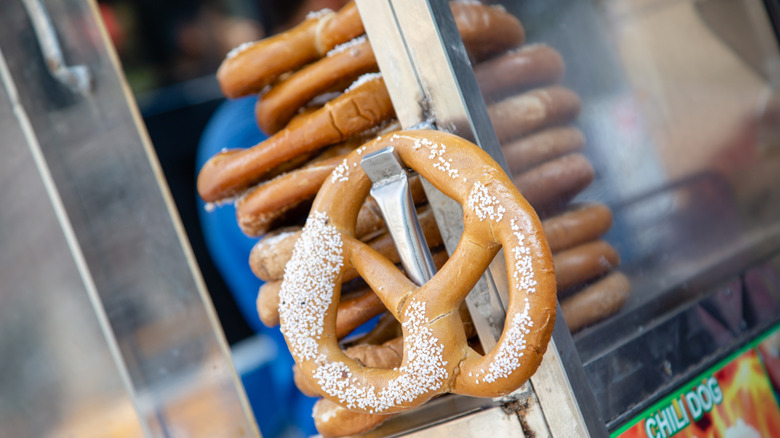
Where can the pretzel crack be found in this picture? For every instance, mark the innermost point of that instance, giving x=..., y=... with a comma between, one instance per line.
x=335, y=125
x=456, y=371
x=443, y=315
x=470, y=240
x=401, y=303
x=367, y=115
x=357, y=113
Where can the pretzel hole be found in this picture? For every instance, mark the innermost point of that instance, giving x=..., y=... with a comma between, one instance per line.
x=360, y=306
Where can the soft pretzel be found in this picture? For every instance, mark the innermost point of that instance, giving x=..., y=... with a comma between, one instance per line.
x=345, y=26
x=353, y=313
x=335, y=71
x=495, y=215
x=251, y=66
x=533, y=110
x=549, y=186
x=386, y=355
x=537, y=148
x=364, y=106
x=570, y=236
x=386, y=328
x=581, y=224
x=486, y=30
x=348, y=61
x=356, y=311
x=268, y=296
x=596, y=302
x=584, y=262
x=334, y=420
x=361, y=306
x=519, y=70
x=270, y=255
x=261, y=207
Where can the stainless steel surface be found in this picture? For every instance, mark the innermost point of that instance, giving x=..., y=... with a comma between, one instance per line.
x=493, y=422
x=391, y=191
x=532, y=417
x=450, y=96
x=438, y=411
x=412, y=102
x=563, y=391
x=76, y=77
x=443, y=69
x=104, y=313
x=56, y=360
x=390, y=49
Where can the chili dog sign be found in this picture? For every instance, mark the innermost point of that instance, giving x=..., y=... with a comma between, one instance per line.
x=735, y=398
x=679, y=413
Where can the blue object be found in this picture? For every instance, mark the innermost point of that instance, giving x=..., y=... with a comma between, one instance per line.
x=279, y=407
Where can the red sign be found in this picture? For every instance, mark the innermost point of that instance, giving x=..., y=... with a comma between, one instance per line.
x=736, y=398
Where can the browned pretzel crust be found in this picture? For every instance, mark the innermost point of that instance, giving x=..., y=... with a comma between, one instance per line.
x=550, y=185
x=495, y=215
x=332, y=419
x=533, y=110
x=596, y=302
x=252, y=66
x=581, y=224
x=545, y=145
x=268, y=296
x=259, y=210
x=532, y=66
x=584, y=262
x=486, y=29
x=276, y=107
x=363, y=107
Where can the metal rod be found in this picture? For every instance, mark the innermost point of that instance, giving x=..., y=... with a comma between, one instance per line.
x=394, y=197
x=77, y=78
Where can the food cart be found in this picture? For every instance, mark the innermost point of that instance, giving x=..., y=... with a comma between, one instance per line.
x=108, y=328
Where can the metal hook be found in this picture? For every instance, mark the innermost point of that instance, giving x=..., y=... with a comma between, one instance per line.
x=77, y=78
x=394, y=197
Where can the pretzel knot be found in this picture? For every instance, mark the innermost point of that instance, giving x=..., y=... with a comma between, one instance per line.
x=436, y=357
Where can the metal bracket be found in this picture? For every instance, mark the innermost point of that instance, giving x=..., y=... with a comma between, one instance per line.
x=77, y=78
x=394, y=198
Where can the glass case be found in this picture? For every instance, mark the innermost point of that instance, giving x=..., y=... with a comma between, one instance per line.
x=680, y=113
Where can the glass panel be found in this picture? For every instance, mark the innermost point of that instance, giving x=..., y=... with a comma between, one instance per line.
x=127, y=245
x=58, y=377
x=679, y=112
